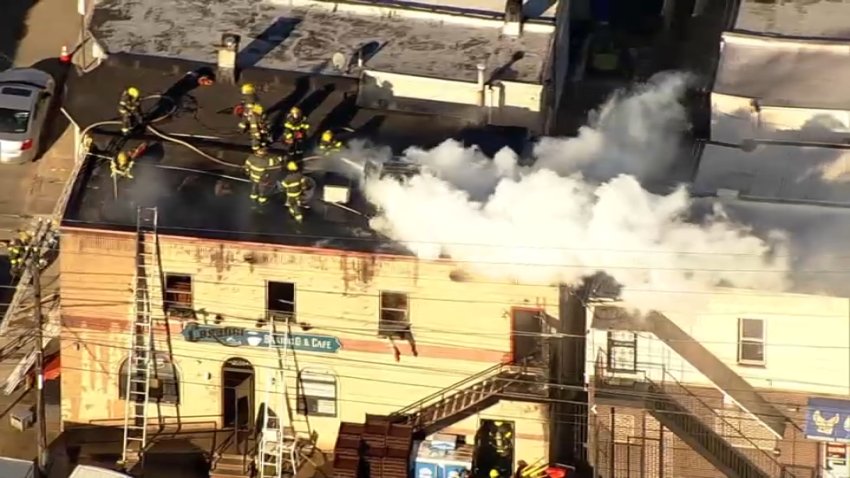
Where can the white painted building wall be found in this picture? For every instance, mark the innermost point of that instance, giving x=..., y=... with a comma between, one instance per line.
x=807, y=341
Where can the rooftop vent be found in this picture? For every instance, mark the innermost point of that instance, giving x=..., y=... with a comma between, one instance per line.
x=513, y=18
x=227, y=52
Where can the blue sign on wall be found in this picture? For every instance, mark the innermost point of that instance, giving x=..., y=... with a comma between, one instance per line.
x=828, y=420
x=240, y=336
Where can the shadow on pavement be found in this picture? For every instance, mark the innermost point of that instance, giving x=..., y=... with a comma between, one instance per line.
x=56, y=122
x=13, y=27
x=7, y=285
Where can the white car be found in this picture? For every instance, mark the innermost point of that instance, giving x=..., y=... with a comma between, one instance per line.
x=25, y=95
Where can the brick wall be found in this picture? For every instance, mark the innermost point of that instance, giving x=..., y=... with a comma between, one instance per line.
x=630, y=439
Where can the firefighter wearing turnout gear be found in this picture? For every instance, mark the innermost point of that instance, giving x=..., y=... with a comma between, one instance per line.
x=502, y=438
x=245, y=108
x=17, y=249
x=121, y=166
x=293, y=185
x=129, y=107
x=328, y=144
x=261, y=168
x=258, y=128
x=295, y=130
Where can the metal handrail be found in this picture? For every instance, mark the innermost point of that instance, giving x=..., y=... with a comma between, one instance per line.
x=770, y=458
x=453, y=388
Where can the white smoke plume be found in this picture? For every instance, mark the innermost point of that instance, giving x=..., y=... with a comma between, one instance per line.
x=579, y=208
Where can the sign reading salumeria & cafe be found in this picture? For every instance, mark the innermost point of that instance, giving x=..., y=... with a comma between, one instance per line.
x=240, y=336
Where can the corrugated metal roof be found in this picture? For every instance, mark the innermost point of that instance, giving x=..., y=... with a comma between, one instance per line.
x=800, y=18
x=781, y=72
x=778, y=172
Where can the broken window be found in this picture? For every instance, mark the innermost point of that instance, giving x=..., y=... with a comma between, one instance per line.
x=164, y=384
x=280, y=301
x=178, y=295
x=317, y=394
x=751, y=341
x=394, y=321
x=622, y=351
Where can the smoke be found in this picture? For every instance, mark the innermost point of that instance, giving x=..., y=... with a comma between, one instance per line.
x=579, y=208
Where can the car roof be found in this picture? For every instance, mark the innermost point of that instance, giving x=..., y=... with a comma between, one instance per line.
x=37, y=78
x=19, y=87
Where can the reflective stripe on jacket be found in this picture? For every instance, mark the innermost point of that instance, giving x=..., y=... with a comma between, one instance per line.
x=293, y=183
x=259, y=166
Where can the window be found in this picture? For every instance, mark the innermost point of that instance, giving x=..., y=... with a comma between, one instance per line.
x=164, y=382
x=14, y=121
x=317, y=394
x=280, y=300
x=751, y=341
x=395, y=319
x=622, y=351
x=178, y=295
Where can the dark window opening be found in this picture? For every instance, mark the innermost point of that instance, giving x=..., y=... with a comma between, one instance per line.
x=622, y=351
x=317, y=394
x=178, y=295
x=164, y=383
x=394, y=320
x=14, y=121
x=280, y=301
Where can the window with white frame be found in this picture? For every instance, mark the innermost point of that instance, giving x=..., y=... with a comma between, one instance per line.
x=622, y=351
x=317, y=394
x=751, y=341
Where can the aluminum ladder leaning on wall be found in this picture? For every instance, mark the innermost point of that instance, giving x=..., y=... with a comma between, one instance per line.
x=141, y=360
x=279, y=453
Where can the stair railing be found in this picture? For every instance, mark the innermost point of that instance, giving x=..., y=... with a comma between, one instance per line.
x=699, y=409
x=444, y=393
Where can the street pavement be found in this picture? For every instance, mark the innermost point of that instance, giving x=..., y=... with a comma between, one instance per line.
x=32, y=33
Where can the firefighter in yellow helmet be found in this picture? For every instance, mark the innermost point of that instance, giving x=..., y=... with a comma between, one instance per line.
x=328, y=144
x=295, y=129
x=121, y=166
x=17, y=249
x=494, y=473
x=258, y=128
x=501, y=436
x=293, y=186
x=245, y=108
x=261, y=168
x=130, y=109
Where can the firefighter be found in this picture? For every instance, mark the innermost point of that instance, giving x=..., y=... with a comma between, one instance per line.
x=295, y=130
x=293, y=185
x=502, y=439
x=129, y=107
x=260, y=167
x=245, y=108
x=18, y=248
x=259, y=129
x=121, y=166
x=328, y=144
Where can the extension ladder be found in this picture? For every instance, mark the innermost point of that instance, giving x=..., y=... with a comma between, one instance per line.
x=280, y=447
x=141, y=360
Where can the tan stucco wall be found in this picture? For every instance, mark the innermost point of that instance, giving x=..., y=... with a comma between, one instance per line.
x=460, y=327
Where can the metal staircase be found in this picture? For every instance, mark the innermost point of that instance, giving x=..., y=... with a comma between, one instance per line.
x=471, y=395
x=281, y=447
x=141, y=360
x=684, y=413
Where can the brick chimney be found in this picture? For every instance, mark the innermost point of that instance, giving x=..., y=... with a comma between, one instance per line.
x=226, y=63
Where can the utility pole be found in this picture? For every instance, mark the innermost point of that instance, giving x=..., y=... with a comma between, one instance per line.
x=39, y=365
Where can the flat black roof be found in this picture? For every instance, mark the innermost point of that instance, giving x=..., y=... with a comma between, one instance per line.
x=198, y=197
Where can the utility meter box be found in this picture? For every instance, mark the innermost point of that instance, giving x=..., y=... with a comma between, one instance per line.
x=22, y=417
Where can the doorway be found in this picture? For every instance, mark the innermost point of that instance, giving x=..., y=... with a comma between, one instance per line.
x=527, y=334
x=237, y=401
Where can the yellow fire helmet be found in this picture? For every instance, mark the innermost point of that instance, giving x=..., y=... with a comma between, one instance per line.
x=248, y=89
x=133, y=92
x=295, y=112
x=123, y=158
x=261, y=151
x=291, y=166
x=328, y=135
x=494, y=473
x=23, y=235
x=257, y=109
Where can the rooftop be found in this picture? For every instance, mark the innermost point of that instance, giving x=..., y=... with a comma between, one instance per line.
x=199, y=197
x=777, y=172
x=782, y=72
x=304, y=37
x=795, y=18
